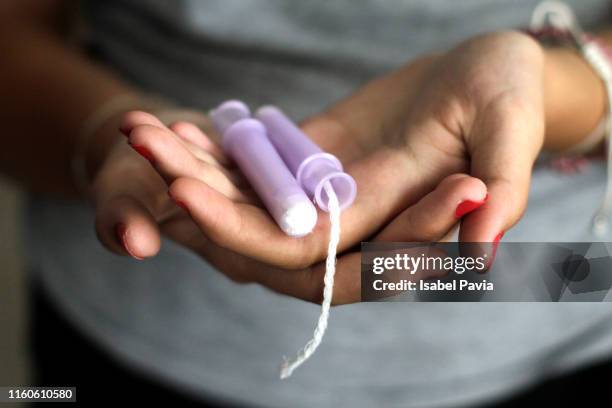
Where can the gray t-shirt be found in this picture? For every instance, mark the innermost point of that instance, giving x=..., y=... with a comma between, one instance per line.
x=178, y=319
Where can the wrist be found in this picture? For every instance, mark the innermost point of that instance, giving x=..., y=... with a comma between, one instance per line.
x=574, y=98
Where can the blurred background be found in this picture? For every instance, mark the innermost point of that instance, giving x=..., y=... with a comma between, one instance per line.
x=14, y=365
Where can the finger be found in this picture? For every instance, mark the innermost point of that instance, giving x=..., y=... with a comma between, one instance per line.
x=503, y=208
x=347, y=280
x=306, y=284
x=136, y=118
x=187, y=133
x=436, y=213
x=389, y=180
x=243, y=228
x=172, y=160
x=504, y=162
x=193, y=134
x=127, y=211
x=125, y=226
x=208, y=151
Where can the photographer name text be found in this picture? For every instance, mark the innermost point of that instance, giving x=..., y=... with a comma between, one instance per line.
x=404, y=285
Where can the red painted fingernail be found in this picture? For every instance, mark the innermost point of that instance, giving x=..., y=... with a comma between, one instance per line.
x=498, y=237
x=496, y=240
x=179, y=202
x=468, y=206
x=143, y=151
x=495, y=243
x=121, y=232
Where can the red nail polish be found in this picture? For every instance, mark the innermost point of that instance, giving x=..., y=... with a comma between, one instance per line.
x=496, y=240
x=144, y=152
x=121, y=232
x=468, y=206
x=498, y=237
x=179, y=202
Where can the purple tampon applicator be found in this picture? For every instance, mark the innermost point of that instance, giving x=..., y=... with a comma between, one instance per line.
x=311, y=167
x=283, y=165
x=245, y=140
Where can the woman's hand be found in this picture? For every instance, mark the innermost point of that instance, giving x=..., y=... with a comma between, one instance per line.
x=477, y=110
x=408, y=139
x=480, y=109
x=133, y=208
x=131, y=198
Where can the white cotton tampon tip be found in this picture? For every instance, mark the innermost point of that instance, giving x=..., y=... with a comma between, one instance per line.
x=245, y=140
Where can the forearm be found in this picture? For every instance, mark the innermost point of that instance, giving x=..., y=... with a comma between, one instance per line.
x=574, y=98
x=48, y=90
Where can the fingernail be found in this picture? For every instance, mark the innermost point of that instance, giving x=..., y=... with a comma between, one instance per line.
x=178, y=202
x=121, y=232
x=144, y=152
x=468, y=206
x=496, y=240
x=498, y=237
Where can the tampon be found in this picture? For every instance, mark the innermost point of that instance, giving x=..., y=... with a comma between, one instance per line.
x=244, y=139
x=311, y=166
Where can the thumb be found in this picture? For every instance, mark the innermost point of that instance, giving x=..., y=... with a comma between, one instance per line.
x=506, y=145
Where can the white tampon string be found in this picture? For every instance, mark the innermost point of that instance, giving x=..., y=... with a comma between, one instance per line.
x=308, y=350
